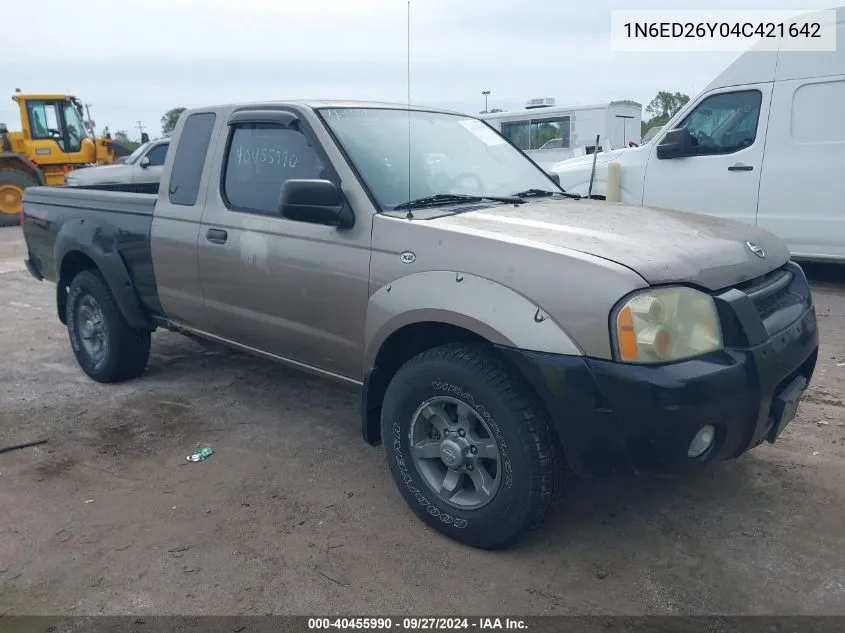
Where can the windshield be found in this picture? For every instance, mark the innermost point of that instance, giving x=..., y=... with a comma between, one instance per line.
x=449, y=154
x=134, y=156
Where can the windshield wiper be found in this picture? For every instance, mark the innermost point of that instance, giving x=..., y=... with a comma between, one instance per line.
x=537, y=193
x=442, y=199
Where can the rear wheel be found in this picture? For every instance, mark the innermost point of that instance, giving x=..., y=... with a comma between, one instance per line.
x=12, y=184
x=106, y=347
x=471, y=452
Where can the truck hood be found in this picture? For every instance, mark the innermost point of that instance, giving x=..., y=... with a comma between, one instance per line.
x=660, y=245
x=587, y=159
x=99, y=173
x=102, y=168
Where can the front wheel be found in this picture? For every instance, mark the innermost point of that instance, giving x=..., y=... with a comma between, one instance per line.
x=106, y=347
x=470, y=451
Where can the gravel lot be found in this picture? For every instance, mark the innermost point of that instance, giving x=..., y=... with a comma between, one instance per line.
x=294, y=514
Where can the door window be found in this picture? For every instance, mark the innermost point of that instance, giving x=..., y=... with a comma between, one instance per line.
x=44, y=122
x=261, y=157
x=724, y=123
x=157, y=155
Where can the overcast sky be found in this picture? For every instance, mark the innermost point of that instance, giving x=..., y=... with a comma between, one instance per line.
x=134, y=60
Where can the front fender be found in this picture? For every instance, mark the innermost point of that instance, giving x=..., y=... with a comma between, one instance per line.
x=99, y=243
x=484, y=307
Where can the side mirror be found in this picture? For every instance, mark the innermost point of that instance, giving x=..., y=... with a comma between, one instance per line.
x=676, y=144
x=314, y=201
x=555, y=177
x=145, y=162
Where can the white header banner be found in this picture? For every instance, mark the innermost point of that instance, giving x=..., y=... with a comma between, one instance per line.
x=719, y=31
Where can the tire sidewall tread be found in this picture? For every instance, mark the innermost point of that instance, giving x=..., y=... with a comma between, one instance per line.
x=479, y=378
x=127, y=348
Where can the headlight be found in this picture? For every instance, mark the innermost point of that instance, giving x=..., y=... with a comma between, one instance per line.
x=665, y=324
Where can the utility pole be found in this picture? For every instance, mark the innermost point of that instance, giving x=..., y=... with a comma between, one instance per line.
x=486, y=94
x=140, y=127
x=89, y=122
x=624, y=118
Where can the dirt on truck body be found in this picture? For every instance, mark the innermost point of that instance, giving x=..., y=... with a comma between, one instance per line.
x=503, y=332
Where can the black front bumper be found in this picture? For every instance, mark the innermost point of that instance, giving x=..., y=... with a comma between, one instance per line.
x=613, y=417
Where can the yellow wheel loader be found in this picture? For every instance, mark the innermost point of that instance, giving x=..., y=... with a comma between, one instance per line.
x=55, y=138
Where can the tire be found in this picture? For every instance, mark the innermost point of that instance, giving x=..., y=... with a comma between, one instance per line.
x=498, y=402
x=12, y=184
x=120, y=352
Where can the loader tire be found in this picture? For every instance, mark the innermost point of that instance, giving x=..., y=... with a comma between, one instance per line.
x=12, y=185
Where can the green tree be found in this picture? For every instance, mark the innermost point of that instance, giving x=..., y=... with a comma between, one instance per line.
x=168, y=121
x=662, y=108
x=121, y=137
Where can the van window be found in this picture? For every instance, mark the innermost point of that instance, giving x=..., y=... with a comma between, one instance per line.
x=550, y=133
x=724, y=123
x=546, y=133
x=261, y=157
x=818, y=113
x=190, y=158
x=517, y=133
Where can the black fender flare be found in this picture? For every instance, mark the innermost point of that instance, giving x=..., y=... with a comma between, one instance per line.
x=98, y=242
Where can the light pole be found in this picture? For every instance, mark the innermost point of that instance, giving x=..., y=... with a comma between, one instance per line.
x=486, y=94
x=624, y=121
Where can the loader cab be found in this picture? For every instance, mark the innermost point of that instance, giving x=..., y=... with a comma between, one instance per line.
x=57, y=128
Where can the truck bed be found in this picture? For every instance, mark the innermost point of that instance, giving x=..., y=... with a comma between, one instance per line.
x=94, y=221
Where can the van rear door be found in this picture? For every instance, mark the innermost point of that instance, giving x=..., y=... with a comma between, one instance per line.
x=802, y=189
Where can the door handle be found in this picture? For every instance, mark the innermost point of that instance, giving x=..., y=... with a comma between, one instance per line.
x=740, y=167
x=216, y=236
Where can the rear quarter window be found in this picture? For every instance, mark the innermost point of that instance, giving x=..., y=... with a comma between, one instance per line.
x=190, y=158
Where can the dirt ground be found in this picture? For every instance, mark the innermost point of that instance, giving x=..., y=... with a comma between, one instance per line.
x=108, y=518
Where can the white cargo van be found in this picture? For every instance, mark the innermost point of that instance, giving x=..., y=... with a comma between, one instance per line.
x=764, y=143
x=550, y=133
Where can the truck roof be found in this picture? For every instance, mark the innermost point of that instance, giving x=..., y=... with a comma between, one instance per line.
x=332, y=103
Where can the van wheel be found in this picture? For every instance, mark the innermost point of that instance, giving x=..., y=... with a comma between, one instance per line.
x=106, y=347
x=470, y=451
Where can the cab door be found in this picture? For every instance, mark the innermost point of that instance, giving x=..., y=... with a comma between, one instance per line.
x=178, y=210
x=292, y=289
x=47, y=131
x=722, y=175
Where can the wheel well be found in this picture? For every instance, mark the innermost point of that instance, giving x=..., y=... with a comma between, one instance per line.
x=72, y=264
x=399, y=348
